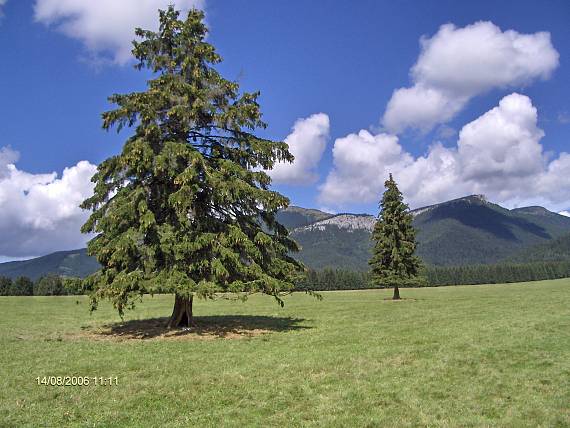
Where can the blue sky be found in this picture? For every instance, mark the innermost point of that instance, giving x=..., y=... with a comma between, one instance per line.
x=62, y=59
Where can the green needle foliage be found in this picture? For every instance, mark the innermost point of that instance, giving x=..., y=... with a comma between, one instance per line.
x=186, y=207
x=393, y=262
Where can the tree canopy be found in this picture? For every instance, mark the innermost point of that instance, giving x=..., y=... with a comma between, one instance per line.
x=186, y=207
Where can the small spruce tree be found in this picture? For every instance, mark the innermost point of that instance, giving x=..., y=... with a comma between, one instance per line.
x=186, y=207
x=393, y=262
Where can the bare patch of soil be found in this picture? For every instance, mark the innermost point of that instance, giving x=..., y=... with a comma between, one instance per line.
x=203, y=328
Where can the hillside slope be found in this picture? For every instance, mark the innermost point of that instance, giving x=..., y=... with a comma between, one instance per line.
x=463, y=231
x=552, y=251
x=341, y=241
x=472, y=230
x=293, y=217
x=66, y=263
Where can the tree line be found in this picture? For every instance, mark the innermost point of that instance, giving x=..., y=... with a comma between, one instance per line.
x=497, y=273
x=435, y=276
x=335, y=279
x=49, y=285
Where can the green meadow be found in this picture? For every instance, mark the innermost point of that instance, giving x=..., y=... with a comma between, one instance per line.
x=489, y=355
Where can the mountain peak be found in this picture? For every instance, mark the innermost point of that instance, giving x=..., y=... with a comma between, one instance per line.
x=474, y=198
x=470, y=199
x=536, y=210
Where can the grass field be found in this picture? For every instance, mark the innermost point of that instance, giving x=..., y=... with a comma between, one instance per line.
x=496, y=355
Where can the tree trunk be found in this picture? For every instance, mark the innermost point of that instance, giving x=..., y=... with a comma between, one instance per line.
x=182, y=312
x=396, y=293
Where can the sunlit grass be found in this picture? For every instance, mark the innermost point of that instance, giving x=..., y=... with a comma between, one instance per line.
x=451, y=356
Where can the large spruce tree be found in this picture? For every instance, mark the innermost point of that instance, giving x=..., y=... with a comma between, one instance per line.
x=393, y=262
x=186, y=207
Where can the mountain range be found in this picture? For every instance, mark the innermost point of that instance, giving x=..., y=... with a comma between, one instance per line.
x=464, y=231
x=469, y=230
x=65, y=263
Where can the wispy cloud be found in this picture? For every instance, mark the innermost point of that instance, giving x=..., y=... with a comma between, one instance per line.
x=564, y=117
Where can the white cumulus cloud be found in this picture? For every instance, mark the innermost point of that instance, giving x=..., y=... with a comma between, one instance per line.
x=106, y=27
x=307, y=142
x=565, y=213
x=498, y=154
x=503, y=143
x=39, y=213
x=457, y=64
x=361, y=164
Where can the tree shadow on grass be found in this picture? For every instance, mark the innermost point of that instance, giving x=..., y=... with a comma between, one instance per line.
x=204, y=327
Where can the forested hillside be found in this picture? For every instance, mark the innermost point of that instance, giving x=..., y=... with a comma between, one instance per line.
x=472, y=230
x=293, y=216
x=465, y=231
x=556, y=250
x=334, y=247
x=74, y=263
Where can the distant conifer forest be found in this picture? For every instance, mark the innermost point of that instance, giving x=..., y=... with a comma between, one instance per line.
x=336, y=279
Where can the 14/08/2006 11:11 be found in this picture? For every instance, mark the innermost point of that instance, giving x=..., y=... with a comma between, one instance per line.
x=77, y=380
